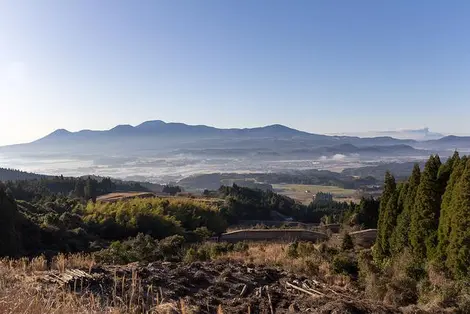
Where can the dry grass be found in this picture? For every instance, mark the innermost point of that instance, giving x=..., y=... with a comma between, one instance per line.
x=310, y=263
x=22, y=290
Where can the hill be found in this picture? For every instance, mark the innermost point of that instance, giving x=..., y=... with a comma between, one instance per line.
x=13, y=175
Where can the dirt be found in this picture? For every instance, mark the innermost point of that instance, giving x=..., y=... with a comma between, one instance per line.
x=204, y=286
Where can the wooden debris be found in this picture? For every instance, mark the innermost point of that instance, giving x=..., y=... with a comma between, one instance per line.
x=243, y=291
x=301, y=289
x=269, y=299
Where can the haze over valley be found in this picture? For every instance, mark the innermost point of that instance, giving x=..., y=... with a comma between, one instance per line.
x=166, y=152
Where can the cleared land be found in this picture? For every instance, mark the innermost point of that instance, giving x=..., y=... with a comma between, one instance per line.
x=304, y=192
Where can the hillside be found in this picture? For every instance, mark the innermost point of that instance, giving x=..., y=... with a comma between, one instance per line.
x=13, y=175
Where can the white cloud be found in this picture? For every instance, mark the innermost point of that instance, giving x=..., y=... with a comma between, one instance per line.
x=338, y=157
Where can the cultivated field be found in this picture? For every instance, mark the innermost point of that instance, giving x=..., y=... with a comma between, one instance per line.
x=304, y=193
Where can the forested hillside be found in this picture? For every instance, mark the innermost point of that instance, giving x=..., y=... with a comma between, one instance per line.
x=61, y=214
x=429, y=216
x=13, y=174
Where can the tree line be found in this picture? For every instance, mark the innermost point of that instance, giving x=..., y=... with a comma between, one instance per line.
x=429, y=215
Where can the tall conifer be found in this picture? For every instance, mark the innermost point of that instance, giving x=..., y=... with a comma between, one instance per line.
x=458, y=251
x=400, y=236
x=443, y=231
x=388, y=192
x=425, y=214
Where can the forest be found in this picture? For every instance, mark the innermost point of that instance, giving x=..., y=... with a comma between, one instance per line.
x=60, y=214
x=429, y=216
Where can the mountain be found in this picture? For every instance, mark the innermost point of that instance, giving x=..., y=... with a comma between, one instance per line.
x=271, y=140
x=159, y=128
x=451, y=142
x=423, y=134
x=163, y=152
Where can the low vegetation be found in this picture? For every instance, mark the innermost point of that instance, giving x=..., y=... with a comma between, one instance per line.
x=124, y=250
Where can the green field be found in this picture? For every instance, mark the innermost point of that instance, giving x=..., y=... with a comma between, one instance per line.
x=304, y=193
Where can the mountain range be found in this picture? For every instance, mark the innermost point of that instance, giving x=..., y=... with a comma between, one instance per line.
x=157, y=151
x=179, y=137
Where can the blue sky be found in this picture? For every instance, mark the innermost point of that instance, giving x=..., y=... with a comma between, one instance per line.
x=321, y=66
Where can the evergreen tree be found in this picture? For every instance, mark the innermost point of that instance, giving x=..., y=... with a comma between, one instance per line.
x=90, y=189
x=458, y=251
x=10, y=244
x=368, y=212
x=389, y=222
x=443, y=231
x=388, y=192
x=445, y=171
x=400, y=236
x=425, y=216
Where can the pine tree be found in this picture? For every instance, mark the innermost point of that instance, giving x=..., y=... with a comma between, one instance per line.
x=445, y=171
x=388, y=192
x=425, y=214
x=389, y=222
x=443, y=231
x=458, y=251
x=399, y=236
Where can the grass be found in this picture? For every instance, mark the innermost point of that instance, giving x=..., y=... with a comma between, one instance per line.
x=22, y=290
x=298, y=192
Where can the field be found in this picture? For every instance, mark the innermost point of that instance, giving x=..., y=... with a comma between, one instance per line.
x=304, y=193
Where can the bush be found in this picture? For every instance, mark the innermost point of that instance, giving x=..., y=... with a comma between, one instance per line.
x=402, y=292
x=142, y=248
x=292, y=250
x=347, y=243
x=241, y=247
x=343, y=264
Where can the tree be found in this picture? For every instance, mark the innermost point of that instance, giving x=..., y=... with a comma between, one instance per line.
x=389, y=222
x=389, y=191
x=90, y=189
x=171, y=189
x=425, y=216
x=443, y=231
x=445, y=171
x=400, y=236
x=368, y=212
x=10, y=244
x=458, y=251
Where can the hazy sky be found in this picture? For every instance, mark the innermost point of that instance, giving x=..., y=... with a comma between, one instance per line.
x=321, y=66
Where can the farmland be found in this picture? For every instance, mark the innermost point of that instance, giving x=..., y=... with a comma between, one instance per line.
x=304, y=192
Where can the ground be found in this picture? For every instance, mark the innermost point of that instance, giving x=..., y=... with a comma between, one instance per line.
x=299, y=192
x=200, y=287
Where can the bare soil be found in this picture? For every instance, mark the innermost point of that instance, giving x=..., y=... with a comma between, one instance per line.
x=212, y=287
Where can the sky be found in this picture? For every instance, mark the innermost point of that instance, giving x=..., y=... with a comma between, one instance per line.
x=323, y=66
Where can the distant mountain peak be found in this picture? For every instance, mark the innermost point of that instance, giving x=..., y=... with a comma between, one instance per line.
x=151, y=124
x=60, y=132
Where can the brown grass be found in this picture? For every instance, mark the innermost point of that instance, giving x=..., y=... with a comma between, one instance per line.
x=23, y=291
x=310, y=263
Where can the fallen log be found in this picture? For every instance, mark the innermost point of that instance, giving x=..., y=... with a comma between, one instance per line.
x=302, y=290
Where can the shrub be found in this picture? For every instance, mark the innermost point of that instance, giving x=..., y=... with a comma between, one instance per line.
x=241, y=247
x=343, y=264
x=401, y=292
x=142, y=248
x=347, y=243
x=305, y=249
x=292, y=250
